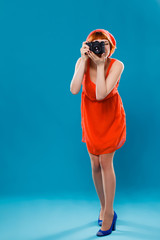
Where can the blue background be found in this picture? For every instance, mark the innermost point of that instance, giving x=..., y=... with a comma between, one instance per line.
x=40, y=125
x=46, y=186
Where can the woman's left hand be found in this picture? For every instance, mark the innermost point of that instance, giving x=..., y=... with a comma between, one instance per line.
x=97, y=60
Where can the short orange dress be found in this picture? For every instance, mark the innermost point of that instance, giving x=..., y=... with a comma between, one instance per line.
x=103, y=121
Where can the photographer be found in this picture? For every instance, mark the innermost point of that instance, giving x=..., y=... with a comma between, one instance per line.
x=103, y=118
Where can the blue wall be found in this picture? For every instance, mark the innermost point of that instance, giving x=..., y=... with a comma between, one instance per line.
x=40, y=124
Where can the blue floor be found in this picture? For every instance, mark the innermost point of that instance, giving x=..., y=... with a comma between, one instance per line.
x=75, y=217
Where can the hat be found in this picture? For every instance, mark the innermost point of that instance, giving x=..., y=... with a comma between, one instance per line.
x=109, y=36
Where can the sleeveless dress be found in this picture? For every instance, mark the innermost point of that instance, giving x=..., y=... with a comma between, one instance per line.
x=103, y=121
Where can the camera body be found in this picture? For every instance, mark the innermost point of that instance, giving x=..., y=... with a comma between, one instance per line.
x=97, y=47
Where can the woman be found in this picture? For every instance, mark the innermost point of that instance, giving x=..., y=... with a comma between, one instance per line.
x=103, y=118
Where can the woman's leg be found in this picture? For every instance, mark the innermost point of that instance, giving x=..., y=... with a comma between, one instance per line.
x=109, y=185
x=97, y=179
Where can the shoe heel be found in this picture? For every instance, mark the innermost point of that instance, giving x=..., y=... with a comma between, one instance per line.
x=114, y=226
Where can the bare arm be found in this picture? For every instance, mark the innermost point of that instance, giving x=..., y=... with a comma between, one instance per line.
x=76, y=82
x=105, y=86
x=80, y=69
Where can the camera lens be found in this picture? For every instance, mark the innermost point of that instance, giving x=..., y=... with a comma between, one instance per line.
x=96, y=49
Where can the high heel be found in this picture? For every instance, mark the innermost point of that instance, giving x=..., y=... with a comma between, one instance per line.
x=101, y=233
x=99, y=221
x=114, y=226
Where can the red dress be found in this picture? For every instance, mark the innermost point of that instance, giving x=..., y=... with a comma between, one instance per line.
x=103, y=121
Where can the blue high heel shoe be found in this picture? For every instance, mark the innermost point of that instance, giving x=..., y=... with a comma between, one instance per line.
x=101, y=233
x=99, y=221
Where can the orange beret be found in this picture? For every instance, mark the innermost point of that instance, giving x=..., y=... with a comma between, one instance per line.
x=108, y=35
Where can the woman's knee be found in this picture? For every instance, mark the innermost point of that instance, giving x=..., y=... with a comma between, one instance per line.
x=106, y=160
x=95, y=163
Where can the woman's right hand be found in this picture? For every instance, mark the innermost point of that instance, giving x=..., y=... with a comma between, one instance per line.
x=84, y=51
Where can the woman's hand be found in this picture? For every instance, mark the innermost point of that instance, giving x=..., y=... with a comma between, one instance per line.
x=84, y=51
x=97, y=60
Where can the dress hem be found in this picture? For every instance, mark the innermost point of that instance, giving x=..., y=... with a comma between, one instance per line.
x=104, y=152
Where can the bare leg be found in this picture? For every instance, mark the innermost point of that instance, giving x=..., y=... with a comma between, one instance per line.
x=97, y=179
x=109, y=185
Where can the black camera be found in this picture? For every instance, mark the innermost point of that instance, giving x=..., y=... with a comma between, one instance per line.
x=97, y=47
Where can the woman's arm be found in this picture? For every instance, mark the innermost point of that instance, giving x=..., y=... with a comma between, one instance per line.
x=76, y=82
x=105, y=86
